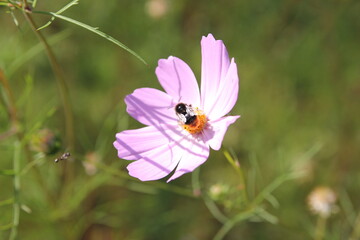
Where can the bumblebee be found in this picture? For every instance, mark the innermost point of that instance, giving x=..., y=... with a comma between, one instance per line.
x=192, y=120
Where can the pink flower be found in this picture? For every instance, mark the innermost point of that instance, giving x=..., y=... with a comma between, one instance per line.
x=182, y=124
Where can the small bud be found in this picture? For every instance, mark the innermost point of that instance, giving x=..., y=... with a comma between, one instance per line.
x=321, y=201
x=218, y=191
x=91, y=160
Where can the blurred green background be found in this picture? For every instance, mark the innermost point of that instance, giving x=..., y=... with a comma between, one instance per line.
x=299, y=101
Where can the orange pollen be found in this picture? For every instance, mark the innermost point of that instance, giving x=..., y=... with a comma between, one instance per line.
x=197, y=125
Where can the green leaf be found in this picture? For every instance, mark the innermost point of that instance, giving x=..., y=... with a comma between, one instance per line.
x=67, y=6
x=267, y=216
x=272, y=186
x=94, y=30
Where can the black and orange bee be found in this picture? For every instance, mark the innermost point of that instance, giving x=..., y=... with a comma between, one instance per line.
x=192, y=120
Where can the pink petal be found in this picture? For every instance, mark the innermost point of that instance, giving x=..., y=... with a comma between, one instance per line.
x=156, y=149
x=215, y=134
x=227, y=93
x=195, y=153
x=151, y=106
x=215, y=64
x=154, y=166
x=134, y=144
x=178, y=80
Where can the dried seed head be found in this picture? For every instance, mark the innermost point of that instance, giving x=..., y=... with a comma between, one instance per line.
x=322, y=200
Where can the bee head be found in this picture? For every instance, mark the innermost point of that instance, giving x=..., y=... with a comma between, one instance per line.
x=181, y=108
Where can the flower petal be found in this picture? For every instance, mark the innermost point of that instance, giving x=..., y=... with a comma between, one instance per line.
x=215, y=135
x=195, y=154
x=157, y=150
x=133, y=144
x=156, y=165
x=151, y=106
x=214, y=67
x=227, y=94
x=178, y=80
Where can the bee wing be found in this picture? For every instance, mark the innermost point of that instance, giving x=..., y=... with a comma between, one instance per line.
x=190, y=111
x=181, y=117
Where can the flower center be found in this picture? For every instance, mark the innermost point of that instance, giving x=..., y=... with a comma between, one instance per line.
x=191, y=119
x=197, y=125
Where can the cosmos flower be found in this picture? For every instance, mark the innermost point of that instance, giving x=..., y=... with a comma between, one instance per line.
x=182, y=123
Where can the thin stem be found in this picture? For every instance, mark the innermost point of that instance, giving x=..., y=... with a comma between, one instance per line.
x=10, y=104
x=210, y=204
x=356, y=232
x=64, y=93
x=232, y=222
x=68, y=171
x=7, y=134
x=15, y=122
x=320, y=228
x=16, y=203
x=214, y=210
x=271, y=187
x=236, y=165
x=252, y=207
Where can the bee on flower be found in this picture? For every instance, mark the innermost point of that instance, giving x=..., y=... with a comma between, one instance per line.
x=182, y=123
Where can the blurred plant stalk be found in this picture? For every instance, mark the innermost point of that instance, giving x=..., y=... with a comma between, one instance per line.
x=17, y=129
x=62, y=86
x=68, y=172
x=356, y=232
x=16, y=203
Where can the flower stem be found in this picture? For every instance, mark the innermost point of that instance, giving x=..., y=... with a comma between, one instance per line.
x=236, y=165
x=10, y=104
x=232, y=222
x=15, y=122
x=63, y=90
x=210, y=204
x=68, y=171
x=356, y=232
x=320, y=228
x=16, y=203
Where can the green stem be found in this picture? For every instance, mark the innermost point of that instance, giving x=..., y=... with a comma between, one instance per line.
x=15, y=122
x=68, y=171
x=356, y=232
x=210, y=204
x=235, y=164
x=16, y=204
x=271, y=187
x=320, y=228
x=232, y=222
x=10, y=100
x=214, y=210
x=63, y=90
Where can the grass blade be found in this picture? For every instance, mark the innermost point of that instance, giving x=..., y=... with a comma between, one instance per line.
x=94, y=30
x=67, y=6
